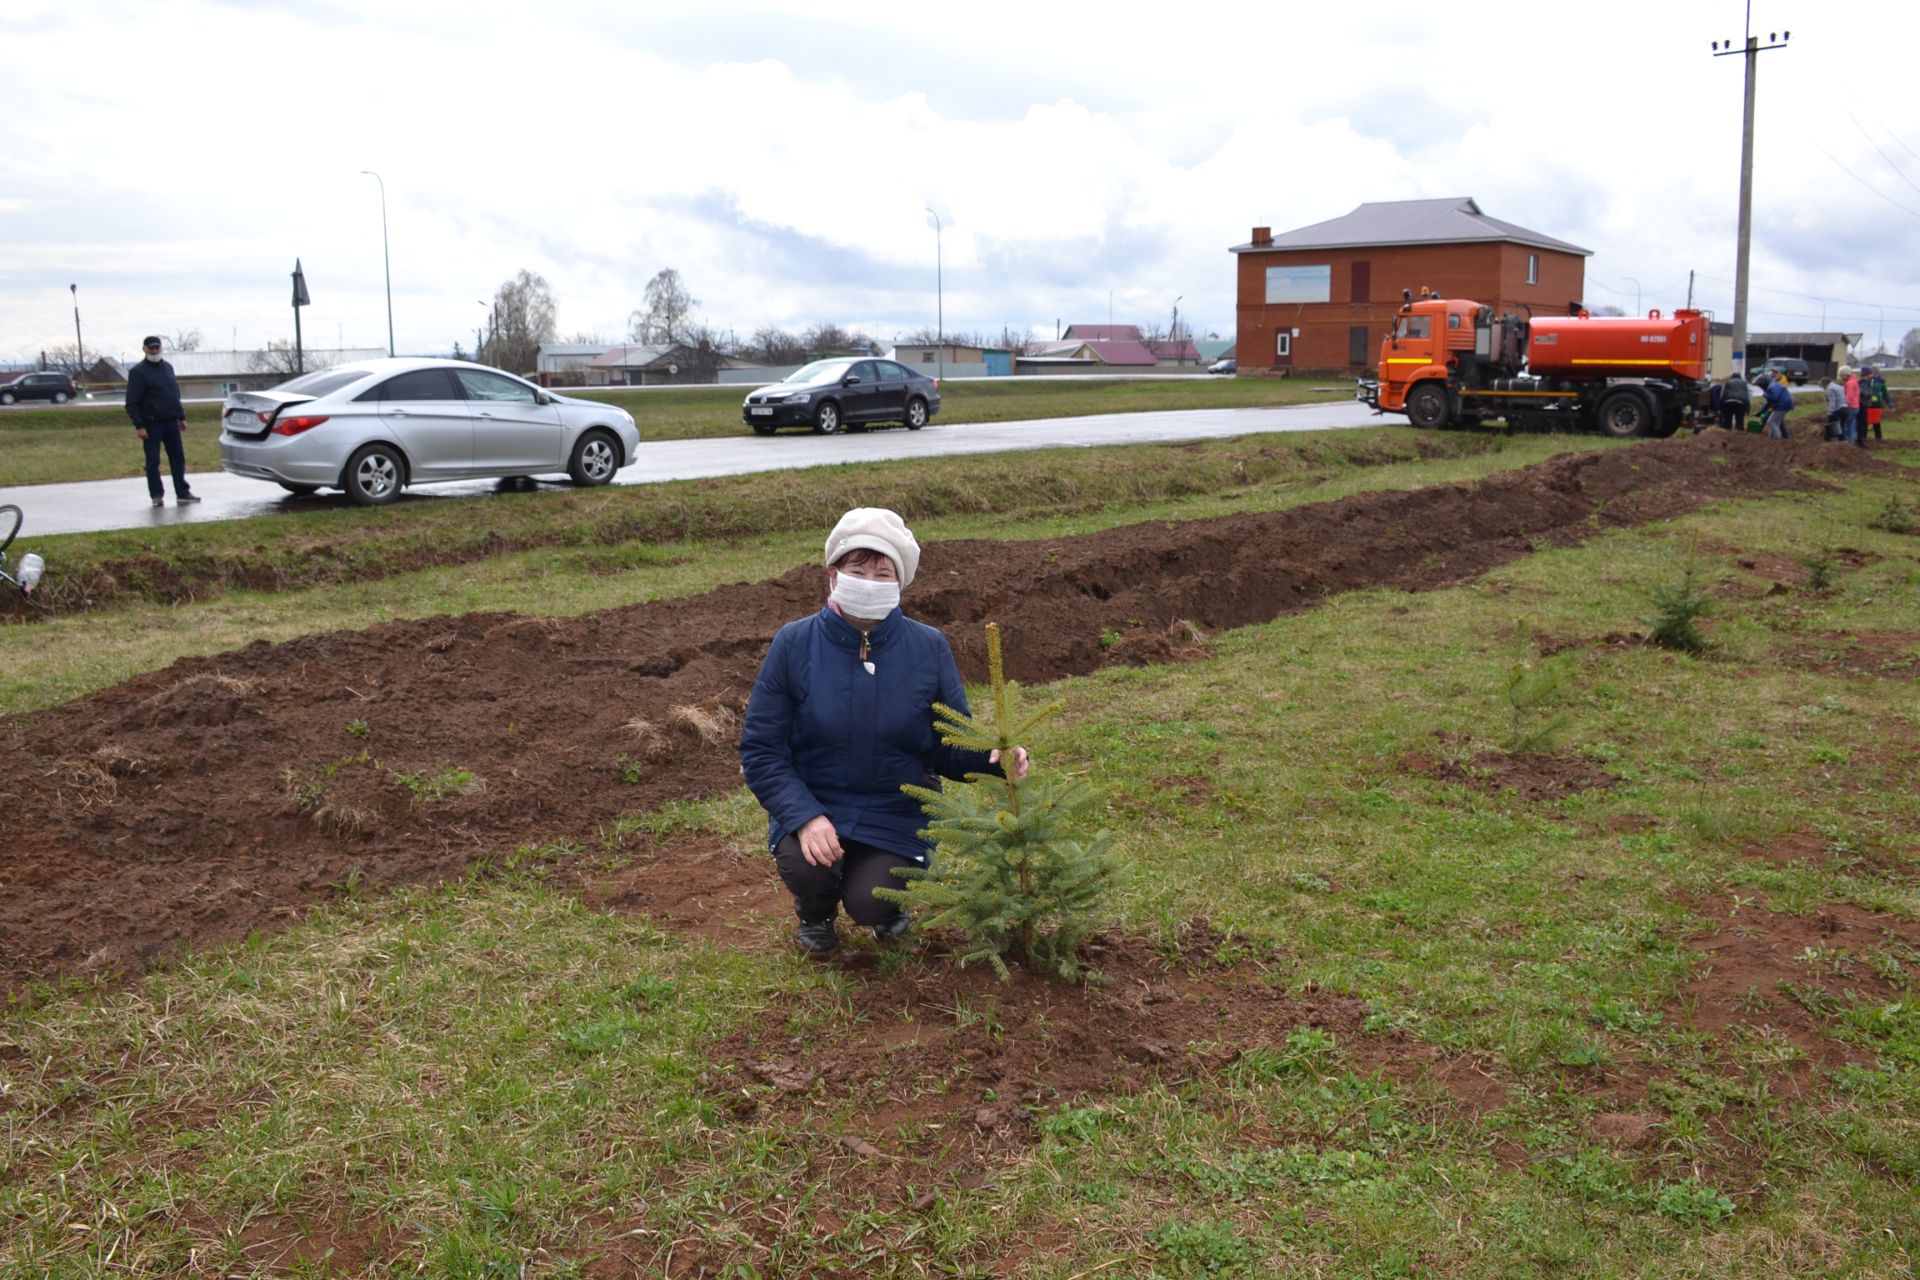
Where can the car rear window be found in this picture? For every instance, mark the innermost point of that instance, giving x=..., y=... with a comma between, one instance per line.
x=416, y=384
x=323, y=382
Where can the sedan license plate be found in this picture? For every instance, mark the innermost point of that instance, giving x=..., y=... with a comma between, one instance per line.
x=758, y=410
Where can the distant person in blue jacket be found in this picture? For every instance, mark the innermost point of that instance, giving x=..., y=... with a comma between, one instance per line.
x=1779, y=401
x=160, y=420
x=840, y=716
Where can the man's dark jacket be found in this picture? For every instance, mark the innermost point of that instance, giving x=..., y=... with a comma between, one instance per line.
x=153, y=394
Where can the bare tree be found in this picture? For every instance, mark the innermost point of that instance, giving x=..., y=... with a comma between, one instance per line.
x=1019, y=341
x=830, y=339
x=1910, y=347
x=522, y=319
x=185, y=340
x=774, y=345
x=279, y=357
x=63, y=360
x=1152, y=331
x=669, y=307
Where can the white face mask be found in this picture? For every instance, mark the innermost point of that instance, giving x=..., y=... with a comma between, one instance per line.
x=154, y=356
x=862, y=599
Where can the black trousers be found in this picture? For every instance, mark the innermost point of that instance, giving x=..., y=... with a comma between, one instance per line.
x=818, y=892
x=165, y=435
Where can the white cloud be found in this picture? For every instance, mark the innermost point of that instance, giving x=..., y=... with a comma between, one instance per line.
x=174, y=159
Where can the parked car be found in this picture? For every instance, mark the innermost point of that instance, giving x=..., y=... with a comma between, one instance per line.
x=1223, y=366
x=373, y=427
x=851, y=392
x=57, y=387
x=1795, y=370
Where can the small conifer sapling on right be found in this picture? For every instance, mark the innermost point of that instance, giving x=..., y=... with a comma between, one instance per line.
x=1010, y=870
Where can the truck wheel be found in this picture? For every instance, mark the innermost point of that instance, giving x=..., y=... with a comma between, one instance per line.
x=1624, y=414
x=1427, y=406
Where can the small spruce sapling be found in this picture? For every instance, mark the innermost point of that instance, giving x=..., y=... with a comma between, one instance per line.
x=1677, y=609
x=1530, y=686
x=1008, y=869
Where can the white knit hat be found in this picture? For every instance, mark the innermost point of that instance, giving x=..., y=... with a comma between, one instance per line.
x=876, y=529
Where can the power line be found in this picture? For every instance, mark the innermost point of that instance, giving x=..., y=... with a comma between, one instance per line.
x=1816, y=297
x=1883, y=155
x=1912, y=213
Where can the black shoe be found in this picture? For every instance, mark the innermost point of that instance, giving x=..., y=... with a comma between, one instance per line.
x=820, y=938
x=159, y=502
x=892, y=929
x=183, y=499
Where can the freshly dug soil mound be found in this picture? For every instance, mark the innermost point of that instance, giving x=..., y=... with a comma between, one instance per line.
x=223, y=794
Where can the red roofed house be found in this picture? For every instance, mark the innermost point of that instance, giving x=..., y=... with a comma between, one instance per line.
x=1323, y=297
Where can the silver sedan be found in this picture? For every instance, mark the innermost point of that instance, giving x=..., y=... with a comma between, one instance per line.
x=373, y=427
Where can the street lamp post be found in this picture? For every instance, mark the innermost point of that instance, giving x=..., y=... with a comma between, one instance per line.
x=385, y=254
x=1636, y=294
x=1751, y=49
x=1175, y=335
x=939, y=302
x=480, y=337
x=79, y=349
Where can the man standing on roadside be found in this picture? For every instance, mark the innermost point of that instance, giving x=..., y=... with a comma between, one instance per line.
x=160, y=420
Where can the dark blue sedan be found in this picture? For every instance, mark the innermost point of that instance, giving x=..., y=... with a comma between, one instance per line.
x=847, y=391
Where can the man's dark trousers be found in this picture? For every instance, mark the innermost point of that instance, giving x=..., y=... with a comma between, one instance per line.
x=165, y=434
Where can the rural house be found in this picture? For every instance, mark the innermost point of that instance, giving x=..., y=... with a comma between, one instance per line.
x=1323, y=297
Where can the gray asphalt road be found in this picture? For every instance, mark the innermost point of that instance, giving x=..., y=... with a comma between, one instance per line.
x=100, y=505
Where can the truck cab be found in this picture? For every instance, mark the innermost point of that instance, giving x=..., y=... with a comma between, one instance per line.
x=1421, y=354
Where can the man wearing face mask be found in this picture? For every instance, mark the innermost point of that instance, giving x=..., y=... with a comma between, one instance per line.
x=840, y=716
x=159, y=419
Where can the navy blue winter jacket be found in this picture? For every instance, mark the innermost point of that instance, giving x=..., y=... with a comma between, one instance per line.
x=1779, y=397
x=822, y=736
x=153, y=394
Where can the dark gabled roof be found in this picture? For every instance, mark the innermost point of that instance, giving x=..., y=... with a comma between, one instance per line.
x=1103, y=332
x=1454, y=220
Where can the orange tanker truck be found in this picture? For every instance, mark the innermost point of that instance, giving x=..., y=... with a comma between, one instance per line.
x=1450, y=362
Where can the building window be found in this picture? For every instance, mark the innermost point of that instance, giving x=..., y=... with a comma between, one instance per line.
x=926, y=357
x=1283, y=344
x=1533, y=268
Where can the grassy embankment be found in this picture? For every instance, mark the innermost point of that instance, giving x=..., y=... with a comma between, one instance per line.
x=489, y=1078
x=134, y=600
x=90, y=441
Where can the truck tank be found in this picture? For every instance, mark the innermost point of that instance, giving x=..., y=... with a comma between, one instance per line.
x=1586, y=347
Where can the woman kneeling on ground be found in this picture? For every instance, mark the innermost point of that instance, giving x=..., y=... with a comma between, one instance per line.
x=841, y=715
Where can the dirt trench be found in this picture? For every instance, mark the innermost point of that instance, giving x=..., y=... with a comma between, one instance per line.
x=221, y=795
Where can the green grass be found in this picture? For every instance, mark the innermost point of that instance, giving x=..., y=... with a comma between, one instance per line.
x=337, y=545
x=570, y=553
x=485, y=1077
x=90, y=441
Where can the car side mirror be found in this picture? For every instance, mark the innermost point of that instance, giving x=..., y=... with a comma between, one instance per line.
x=851, y=380
x=541, y=397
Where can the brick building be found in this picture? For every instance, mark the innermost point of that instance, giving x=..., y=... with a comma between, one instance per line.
x=1322, y=297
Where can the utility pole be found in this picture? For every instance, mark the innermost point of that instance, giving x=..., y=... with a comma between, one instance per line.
x=1750, y=49
x=1174, y=337
x=939, y=302
x=79, y=350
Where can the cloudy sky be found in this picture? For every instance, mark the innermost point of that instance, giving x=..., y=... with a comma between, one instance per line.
x=173, y=157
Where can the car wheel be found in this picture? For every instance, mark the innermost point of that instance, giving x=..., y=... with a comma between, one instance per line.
x=300, y=490
x=761, y=428
x=1427, y=406
x=59, y=397
x=1625, y=414
x=595, y=458
x=916, y=413
x=826, y=419
x=6, y=397
x=374, y=475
